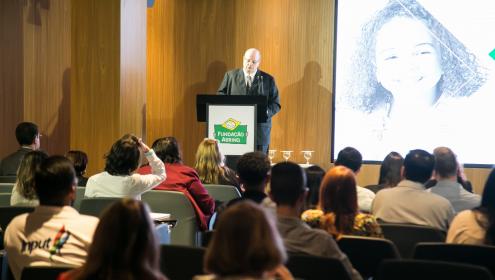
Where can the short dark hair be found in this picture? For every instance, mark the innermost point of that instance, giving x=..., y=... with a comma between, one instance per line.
x=418, y=166
x=288, y=182
x=54, y=180
x=124, y=156
x=26, y=132
x=253, y=168
x=79, y=159
x=445, y=162
x=350, y=158
x=167, y=149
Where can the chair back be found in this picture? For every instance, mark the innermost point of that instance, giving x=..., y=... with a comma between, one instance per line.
x=79, y=197
x=222, y=193
x=8, y=179
x=94, y=206
x=366, y=253
x=180, y=262
x=316, y=268
x=43, y=272
x=178, y=205
x=5, y=199
x=406, y=236
x=469, y=254
x=430, y=270
x=6, y=187
x=7, y=213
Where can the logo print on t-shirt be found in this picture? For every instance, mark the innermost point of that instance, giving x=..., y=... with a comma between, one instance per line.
x=59, y=241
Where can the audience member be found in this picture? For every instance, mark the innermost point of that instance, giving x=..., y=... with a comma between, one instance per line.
x=352, y=159
x=246, y=245
x=28, y=137
x=446, y=170
x=124, y=246
x=287, y=189
x=55, y=233
x=210, y=166
x=80, y=161
x=119, y=178
x=182, y=178
x=23, y=192
x=409, y=202
x=314, y=175
x=338, y=213
x=476, y=226
x=461, y=179
x=389, y=172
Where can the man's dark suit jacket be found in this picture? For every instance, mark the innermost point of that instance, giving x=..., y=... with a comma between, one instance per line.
x=9, y=165
x=234, y=84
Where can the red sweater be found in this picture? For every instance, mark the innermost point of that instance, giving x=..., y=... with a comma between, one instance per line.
x=186, y=180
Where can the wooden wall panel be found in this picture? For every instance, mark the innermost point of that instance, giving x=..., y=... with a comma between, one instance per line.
x=108, y=87
x=11, y=73
x=34, y=67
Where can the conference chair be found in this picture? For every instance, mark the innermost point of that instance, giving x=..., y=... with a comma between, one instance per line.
x=6, y=187
x=7, y=213
x=79, y=197
x=43, y=272
x=366, y=253
x=186, y=231
x=430, y=270
x=469, y=254
x=406, y=236
x=222, y=193
x=95, y=206
x=8, y=179
x=316, y=268
x=180, y=262
x=5, y=199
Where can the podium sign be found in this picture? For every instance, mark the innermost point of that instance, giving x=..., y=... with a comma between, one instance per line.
x=233, y=126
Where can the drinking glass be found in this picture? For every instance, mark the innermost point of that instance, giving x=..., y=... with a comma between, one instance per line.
x=307, y=155
x=271, y=155
x=286, y=155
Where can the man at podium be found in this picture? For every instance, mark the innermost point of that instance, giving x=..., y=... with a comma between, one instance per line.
x=251, y=81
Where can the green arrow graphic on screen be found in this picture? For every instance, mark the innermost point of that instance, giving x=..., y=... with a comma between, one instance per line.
x=492, y=54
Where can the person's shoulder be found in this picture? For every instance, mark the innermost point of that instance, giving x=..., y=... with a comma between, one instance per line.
x=266, y=75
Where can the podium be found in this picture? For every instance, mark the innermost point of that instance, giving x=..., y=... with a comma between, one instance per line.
x=232, y=120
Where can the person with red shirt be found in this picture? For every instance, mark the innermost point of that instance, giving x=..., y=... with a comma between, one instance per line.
x=182, y=178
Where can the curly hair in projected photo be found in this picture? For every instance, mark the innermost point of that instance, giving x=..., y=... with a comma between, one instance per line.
x=405, y=52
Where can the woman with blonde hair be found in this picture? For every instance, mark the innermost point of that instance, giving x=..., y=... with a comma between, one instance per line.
x=23, y=192
x=338, y=211
x=124, y=246
x=246, y=245
x=210, y=166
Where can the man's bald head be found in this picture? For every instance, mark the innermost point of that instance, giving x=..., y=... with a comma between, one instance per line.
x=251, y=60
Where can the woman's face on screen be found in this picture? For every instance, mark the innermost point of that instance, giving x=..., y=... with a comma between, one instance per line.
x=407, y=57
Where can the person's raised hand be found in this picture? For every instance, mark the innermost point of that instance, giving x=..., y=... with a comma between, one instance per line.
x=142, y=146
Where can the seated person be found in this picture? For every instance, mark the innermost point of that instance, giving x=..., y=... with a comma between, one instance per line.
x=446, y=169
x=246, y=245
x=119, y=178
x=352, y=159
x=210, y=165
x=476, y=226
x=314, y=175
x=124, y=246
x=389, y=172
x=80, y=161
x=28, y=137
x=287, y=189
x=182, y=178
x=338, y=213
x=54, y=234
x=23, y=192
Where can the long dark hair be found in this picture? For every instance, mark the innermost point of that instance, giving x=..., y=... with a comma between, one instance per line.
x=338, y=198
x=124, y=245
x=487, y=209
x=390, y=170
x=25, y=174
